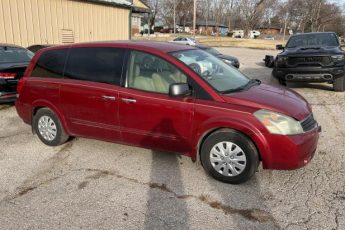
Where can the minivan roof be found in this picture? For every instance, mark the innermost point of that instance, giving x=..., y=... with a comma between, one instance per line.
x=165, y=47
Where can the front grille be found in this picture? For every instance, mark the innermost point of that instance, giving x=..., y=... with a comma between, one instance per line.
x=309, y=123
x=320, y=60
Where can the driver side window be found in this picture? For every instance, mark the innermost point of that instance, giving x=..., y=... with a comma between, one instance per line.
x=150, y=73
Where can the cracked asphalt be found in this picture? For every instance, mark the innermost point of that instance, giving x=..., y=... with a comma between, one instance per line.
x=91, y=184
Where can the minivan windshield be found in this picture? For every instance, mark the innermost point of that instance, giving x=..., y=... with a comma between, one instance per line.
x=312, y=40
x=220, y=76
x=14, y=55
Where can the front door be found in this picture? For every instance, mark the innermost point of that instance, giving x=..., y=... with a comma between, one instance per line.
x=89, y=92
x=149, y=117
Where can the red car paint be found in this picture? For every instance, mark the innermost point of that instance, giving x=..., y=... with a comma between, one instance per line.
x=167, y=123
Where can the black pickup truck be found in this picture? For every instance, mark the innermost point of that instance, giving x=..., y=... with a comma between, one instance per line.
x=311, y=57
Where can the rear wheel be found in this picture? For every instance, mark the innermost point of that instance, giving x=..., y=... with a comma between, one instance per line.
x=338, y=84
x=229, y=156
x=48, y=128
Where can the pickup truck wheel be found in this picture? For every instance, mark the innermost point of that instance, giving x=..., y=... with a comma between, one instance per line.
x=229, y=156
x=338, y=84
x=282, y=82
x=48, y=128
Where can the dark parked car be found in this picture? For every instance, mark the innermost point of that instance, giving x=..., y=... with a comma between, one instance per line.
x=35, y=48
x=13, y=62
x=230, y=60
x=146, y=31
x=153, y=95
x=311, y=57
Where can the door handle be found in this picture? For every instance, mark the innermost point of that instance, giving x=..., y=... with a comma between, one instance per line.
x=129, y=100
x=108, y=98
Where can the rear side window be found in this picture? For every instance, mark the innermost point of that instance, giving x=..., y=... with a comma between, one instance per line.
x=102, y=65
x=50, y=64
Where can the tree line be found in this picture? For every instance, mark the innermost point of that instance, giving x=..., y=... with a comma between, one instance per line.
x=295, y=15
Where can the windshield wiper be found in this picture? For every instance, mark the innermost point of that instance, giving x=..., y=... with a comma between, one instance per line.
x=249, y=84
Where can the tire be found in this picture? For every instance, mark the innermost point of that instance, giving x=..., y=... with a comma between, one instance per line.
x=246, y=156
x=282, y=82
x=51, y=124
x=338, y=84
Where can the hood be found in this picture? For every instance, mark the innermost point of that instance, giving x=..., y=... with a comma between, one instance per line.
x=278, y=99
x=311, y=51
x=227, y=57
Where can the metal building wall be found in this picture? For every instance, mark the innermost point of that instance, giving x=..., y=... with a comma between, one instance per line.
x=28, y=22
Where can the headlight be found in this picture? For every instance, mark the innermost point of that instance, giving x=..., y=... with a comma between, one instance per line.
x=277, y=123
x=281, y=61
x=228, y=62
x=338, y=57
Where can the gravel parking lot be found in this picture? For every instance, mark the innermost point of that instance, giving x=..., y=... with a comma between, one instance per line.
x=98, y=185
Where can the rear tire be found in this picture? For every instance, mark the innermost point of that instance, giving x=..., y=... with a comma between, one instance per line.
x=338, y=84
x=48, y=128
x=229, y=156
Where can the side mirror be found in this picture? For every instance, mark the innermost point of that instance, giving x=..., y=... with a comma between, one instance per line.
x=279, y=47
x=179, y=90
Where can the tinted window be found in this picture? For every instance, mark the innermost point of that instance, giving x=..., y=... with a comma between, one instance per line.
x=14, y=54
x=151, y=73
x=95, y=64
x=50, y=64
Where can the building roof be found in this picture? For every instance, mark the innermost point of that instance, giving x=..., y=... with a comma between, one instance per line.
x=117, y=3
x=269, y=28
x=137, y=6
x=210, y=23
x=140, y=7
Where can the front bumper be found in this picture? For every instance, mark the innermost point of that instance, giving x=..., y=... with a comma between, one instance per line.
x=309, y=74
x=291, y=152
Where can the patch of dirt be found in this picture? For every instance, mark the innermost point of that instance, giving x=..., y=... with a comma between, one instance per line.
x=83, y=184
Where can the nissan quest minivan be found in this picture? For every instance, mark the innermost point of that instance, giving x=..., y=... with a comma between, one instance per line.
x=167, y=97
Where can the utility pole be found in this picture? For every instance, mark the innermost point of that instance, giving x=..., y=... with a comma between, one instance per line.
x=194, y=19
x=285, y=21
x=174, y=17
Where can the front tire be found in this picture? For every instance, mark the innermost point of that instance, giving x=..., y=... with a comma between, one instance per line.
x=229, y=156
x=338, y=84
x=48, y=128
x=282, y=82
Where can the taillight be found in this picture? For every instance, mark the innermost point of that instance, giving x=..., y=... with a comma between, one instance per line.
x=7, y=75
x=20, y=86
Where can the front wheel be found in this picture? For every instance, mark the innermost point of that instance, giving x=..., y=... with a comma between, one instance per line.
x=338, y=84
x=49, y=128
x=282, y=82
x=229, y=156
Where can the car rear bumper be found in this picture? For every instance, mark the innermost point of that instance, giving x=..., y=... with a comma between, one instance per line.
x=291, y=152
x=6, y=97
x=309, y=74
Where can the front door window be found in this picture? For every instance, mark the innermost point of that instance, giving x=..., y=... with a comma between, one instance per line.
x=150, y=73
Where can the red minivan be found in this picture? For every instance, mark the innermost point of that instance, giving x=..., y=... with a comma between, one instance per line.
x=167, y=97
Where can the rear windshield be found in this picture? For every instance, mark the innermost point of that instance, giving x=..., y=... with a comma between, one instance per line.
x=313, y=40
x=14, y=55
